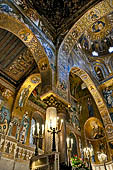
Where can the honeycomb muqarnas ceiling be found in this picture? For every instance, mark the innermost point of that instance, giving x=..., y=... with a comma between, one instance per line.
x=61, y=12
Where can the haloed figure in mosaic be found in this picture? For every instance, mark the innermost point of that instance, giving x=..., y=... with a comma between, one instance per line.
x=23, y=96
x=24, y=128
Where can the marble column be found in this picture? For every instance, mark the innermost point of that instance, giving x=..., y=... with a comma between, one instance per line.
x=51, y=119
x=62, y=146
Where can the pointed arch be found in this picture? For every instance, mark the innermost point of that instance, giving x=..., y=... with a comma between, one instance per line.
x=18, y=28
x=97, y=98
x=102, y=67
x=91, y=16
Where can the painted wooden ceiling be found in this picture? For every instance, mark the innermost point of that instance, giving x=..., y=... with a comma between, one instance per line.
x=16, y=60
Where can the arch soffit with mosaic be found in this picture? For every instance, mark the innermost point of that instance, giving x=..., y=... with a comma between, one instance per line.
x=101, y=9
x=18, y=28
x=28, y=38
x=66, y=47
x=98, y=99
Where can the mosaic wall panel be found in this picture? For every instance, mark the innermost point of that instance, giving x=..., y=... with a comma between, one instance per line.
x=6, y=101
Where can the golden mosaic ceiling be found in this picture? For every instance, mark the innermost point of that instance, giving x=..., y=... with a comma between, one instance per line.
x=97, y=40
x=15, y=59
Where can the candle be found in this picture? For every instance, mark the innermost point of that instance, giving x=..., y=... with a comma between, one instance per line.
x=61, y=123
x=38, y=128
x=50, y=123
x=57, y=118
x=42, y=129
x=33, y=128
x=68, y=142
x=71, y=142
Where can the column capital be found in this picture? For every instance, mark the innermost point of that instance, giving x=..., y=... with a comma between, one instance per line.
x=53, y=100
